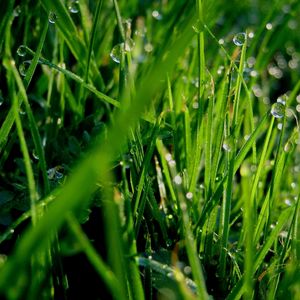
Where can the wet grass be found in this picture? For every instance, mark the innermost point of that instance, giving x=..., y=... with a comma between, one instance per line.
x=149, y=150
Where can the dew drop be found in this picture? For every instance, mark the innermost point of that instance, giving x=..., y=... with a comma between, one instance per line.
x=52, y=17
x=187, y=270
x=198, y=26
x=73, y=6
x=279, y=126
x=278, y=110
x=251, y=35
x=281, y=100
x=218, y=177
x=195, y=105
x=51, y=173
x=269, y=26
x=178, y=179
x=228, y=144
x=239, y=39
x=168, y=157
x=156, y=15
x=169, y=242
x=35, y=156
x=189, y=195
x=172, y=163
x=22, y=112
x=17, y=11
x=220, y=70
x=21, y=51
x=148, y=47
x=24, y=67
x=288, y=146
x=288, y=202
x=116, y=53
x=58, y=175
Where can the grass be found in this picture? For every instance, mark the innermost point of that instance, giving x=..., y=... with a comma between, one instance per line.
x=167, y=168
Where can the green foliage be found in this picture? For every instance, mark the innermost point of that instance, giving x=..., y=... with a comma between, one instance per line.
x=182, y=182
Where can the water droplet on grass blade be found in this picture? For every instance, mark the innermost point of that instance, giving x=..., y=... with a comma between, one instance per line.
x=189, y=195
x=169, y=243
x=228, y=144
x=288, y=202
x=156, y=15
x=278, y=110
x=58, y=175
x=198, y=26
x=288, y=146
x=116, y=53
x=17, y=11
x=35, y=156
x=148, y=47
x=269, y=26
x=73, y=6
x=239, y=39
x=178, y=179
x=21, y=51
x=52, y=17
x=24, y=67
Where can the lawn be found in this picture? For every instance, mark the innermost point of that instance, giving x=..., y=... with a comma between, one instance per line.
x=149, y=149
